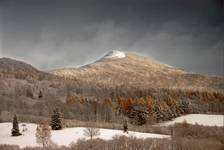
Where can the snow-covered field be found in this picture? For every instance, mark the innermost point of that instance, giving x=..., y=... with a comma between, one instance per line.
x=201, y=119
x=68, y=135
x=61, y=137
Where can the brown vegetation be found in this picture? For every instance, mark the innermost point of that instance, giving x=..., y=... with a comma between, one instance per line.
x=43, y=134
x=151, y=106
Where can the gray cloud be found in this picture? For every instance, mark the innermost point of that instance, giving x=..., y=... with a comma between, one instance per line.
x=53, y=34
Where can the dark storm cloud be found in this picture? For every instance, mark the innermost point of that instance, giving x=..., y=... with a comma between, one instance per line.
x=55, y=33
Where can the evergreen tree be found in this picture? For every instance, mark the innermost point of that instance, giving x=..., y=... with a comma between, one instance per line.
x=125, y=126
x=15, y=128
x=40, y=95
x=56, y=120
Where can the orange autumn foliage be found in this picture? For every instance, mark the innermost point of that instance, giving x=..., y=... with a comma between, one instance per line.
x=82, y=99
x=124, y=103
x=149, y=103
x=70, y=99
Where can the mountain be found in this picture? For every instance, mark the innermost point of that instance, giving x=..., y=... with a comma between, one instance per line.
x=119, y=84
x=11, y=68
x=127, y=69
x=19, y=80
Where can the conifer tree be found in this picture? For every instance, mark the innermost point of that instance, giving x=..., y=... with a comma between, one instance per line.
x=56, y=120
x=125, y=126
x=40, y=94
x=15, y=128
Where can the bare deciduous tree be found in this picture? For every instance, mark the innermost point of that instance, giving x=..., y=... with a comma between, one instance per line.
x=91, y=132
x=43, y=134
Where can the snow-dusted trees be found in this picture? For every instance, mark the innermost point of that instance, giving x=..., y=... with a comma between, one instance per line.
x=15, y=128
x=91, y=132
x=43, y=134
x=56, y=120
x=29, y=93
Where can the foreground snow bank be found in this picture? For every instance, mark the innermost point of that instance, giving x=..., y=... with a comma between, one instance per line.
x=61, y=137
x=201, y=119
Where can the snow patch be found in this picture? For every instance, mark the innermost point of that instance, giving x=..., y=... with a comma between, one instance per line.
x=61, y=137
x=115, y=54
x=201, y=119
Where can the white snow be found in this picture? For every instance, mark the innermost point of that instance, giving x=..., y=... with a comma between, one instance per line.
x=62, y=137
x=115, y=54
x=201, y=119
x=69, y=135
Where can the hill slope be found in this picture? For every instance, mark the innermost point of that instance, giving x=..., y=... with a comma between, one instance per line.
x=119, y=83
x=10, y=68
x=134, y=70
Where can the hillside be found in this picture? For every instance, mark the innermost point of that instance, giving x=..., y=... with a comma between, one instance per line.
x=10, y=68
x=22, y=83
x=116, y=86
x=138, y=71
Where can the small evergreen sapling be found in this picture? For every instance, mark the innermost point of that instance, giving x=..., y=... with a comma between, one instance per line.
x=15, y=128
x=125, y=126
x=40, y=94
x=56, y=120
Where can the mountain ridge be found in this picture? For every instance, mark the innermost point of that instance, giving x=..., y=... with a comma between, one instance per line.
x=132, y=70
x=146, y=86
x=19, y=69
x=135, y=70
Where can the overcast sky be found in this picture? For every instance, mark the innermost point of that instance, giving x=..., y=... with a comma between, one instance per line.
x=53, y=34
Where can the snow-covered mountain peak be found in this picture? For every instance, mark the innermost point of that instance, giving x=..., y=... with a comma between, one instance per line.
x=115, y=54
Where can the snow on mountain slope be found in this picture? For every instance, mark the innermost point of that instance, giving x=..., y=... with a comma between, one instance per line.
x=131, y=69
x=61, y=137
x=201, y=119
x=128, y=69
x=115, y=54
